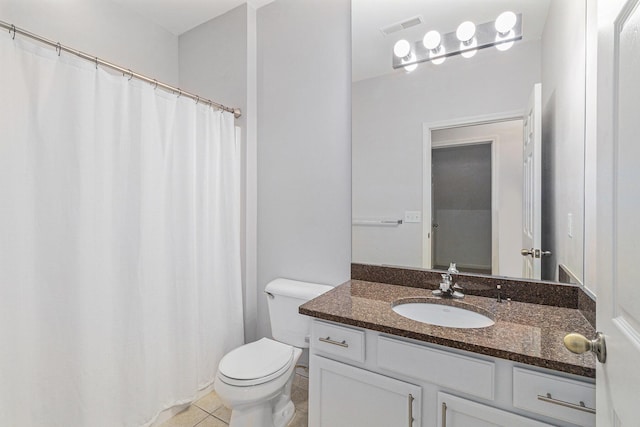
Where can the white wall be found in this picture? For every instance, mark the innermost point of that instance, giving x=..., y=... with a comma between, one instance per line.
x=304, y=144
x=563, y=136
x=101, y=28
x=591, y=156
x=508, y=176
x=214, y=63
x=213, y=59
x=388, y=117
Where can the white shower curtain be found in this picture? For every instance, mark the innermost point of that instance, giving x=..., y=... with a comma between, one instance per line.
x=119, y=243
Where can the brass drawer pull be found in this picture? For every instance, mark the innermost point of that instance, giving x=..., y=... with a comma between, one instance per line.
x=580, y=407
x=328, y=340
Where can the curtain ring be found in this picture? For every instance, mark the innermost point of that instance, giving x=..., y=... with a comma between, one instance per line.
x=130, y=75
x=13, y=27
x=59, y=48
x=179, y=92
x=96, y=62
x=156, y=84
x=197, y=100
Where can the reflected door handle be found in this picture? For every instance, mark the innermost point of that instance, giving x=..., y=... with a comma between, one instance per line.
x=527, y=252
x=536, y=253
x=434, y=225
x=577, y=343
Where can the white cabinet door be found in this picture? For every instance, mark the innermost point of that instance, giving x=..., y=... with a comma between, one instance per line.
x=458, y=412
x=343, y=396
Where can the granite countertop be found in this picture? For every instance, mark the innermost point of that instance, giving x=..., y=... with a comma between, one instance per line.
x=523, y=332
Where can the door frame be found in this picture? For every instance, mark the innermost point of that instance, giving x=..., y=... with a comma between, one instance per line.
x=427, y=205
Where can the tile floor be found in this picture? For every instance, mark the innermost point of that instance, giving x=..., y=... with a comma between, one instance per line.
x=209, y=411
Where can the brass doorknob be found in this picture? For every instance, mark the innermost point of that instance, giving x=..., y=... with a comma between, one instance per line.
x=577, y=343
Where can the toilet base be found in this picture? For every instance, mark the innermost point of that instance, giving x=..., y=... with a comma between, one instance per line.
x=262, y=415
x=283, y=416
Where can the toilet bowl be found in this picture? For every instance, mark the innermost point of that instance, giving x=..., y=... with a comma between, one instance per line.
x=255, y=379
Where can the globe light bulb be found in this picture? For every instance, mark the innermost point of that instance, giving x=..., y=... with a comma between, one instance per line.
x=402, y=48
x=505, y=22
x=468, y=53
x=410, y=68
x=432, y=40
x=466, y=31
x=438, y=58
x=408, y=60
x=502, y=46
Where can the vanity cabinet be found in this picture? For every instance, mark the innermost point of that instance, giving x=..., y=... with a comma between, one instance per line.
x=360, y=377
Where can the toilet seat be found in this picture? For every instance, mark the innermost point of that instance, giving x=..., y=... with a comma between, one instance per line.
x=255, y=363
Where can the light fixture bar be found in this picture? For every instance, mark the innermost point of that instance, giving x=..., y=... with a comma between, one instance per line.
x=485, y=36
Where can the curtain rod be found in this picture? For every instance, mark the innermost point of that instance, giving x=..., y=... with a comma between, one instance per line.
x=125, y=72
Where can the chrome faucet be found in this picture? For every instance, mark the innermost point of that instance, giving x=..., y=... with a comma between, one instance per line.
x=447, y=289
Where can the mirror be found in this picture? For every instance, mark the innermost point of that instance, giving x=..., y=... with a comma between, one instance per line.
x=410, y=126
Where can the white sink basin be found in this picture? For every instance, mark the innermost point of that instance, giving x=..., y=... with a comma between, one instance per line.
x=443, y=315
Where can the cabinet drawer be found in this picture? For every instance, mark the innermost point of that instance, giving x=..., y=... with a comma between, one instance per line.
x=561, y=398
x=456, y=372
x=338, y=341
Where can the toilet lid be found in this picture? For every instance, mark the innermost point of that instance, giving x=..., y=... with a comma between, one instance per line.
x=260, y=360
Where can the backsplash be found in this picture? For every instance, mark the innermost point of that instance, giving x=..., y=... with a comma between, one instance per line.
x=530, y=291
x=586, y=304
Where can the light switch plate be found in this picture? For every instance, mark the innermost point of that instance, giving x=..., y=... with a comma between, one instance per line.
x=413, y=216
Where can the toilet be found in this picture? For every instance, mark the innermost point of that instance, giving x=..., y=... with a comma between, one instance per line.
x=254, y=380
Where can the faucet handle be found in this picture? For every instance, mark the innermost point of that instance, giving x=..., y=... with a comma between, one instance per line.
x=452, y=268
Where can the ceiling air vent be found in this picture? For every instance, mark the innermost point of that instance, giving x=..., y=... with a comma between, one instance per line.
x=398, y=26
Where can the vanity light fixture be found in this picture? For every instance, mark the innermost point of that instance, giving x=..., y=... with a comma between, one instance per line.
x=438, y=58
x=502, y=45
x=466, y=41
x=504, y=26
x=466, y=31
x=402, y=49
x=413, y=66
x=505, y=22
x=432, y=40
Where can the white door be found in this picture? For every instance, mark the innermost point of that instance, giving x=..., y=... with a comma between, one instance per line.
x=532, y=179
x=344, y=396
x=618, y=224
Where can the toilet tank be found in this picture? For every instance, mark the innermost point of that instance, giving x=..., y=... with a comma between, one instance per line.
x=284, y=296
